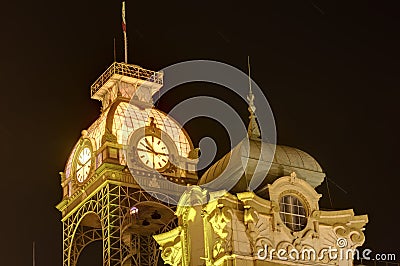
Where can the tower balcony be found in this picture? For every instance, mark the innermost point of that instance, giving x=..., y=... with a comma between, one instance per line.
x=128, y=73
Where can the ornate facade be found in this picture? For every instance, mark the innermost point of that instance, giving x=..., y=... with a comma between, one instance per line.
x=245, y=229
x=279, y=223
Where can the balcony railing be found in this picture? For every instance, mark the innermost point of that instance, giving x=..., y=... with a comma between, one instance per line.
x=129, y=71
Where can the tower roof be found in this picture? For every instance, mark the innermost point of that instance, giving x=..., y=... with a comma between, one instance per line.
x=249, y=160
x=122, y=118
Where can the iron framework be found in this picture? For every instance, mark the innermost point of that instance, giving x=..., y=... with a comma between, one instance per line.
x=108, y=209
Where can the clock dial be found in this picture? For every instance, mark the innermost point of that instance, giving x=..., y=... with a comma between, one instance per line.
x=83, y=164
x=84, y=156
x=153, y=152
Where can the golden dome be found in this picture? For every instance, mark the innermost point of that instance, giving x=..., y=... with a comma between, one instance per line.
x=123, y=118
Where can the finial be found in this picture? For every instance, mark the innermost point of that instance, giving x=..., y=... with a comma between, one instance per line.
x=293, y=177
x=253, y=130
x=250, y=96
x=152, y=124
x=63, y=177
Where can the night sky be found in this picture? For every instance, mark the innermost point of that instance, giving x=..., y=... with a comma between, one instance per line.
x=328, y=68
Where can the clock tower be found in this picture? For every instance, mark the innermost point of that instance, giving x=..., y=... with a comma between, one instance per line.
x=131, y=146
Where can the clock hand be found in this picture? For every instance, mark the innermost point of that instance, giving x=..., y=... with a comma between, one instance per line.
x=147, y=147
x=151, y=147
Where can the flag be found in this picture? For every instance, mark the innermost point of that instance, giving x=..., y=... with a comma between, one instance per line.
x=123, y=17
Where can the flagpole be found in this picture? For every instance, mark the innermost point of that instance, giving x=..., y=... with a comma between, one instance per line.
x=124, y=30
x=115, y=52
x=33, y=254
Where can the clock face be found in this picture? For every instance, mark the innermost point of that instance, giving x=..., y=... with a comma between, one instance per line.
x=83, y=164
x=153, y=152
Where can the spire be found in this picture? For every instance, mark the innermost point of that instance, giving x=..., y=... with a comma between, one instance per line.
x=253, y=130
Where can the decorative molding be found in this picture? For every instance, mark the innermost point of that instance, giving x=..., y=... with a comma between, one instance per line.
x=171, y=246
x=354, y=237
x=228, y=217
x=221, y=223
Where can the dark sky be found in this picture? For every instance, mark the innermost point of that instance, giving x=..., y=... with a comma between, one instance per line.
x=328, y=68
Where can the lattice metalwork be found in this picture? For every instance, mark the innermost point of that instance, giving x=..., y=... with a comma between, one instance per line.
x=105, y=216
x=83, y=237
x=129, y=71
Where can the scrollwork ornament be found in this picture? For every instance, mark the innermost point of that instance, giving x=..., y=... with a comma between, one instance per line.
x=221, y=223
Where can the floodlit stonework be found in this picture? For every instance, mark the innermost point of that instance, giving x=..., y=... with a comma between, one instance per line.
x=235, y=229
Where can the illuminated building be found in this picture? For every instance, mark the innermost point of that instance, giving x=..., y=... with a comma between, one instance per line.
x=104, y=200
x=101, y=199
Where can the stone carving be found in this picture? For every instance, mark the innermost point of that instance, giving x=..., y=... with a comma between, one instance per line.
x=171, y=246
x=193, y=196
x=189, y=206
x=171, y=168
x=354, y=237
x=257, y=230
x=261, y=227
x=194, y=154
x=108, y=136
x=172, y=255
x=221, y=222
